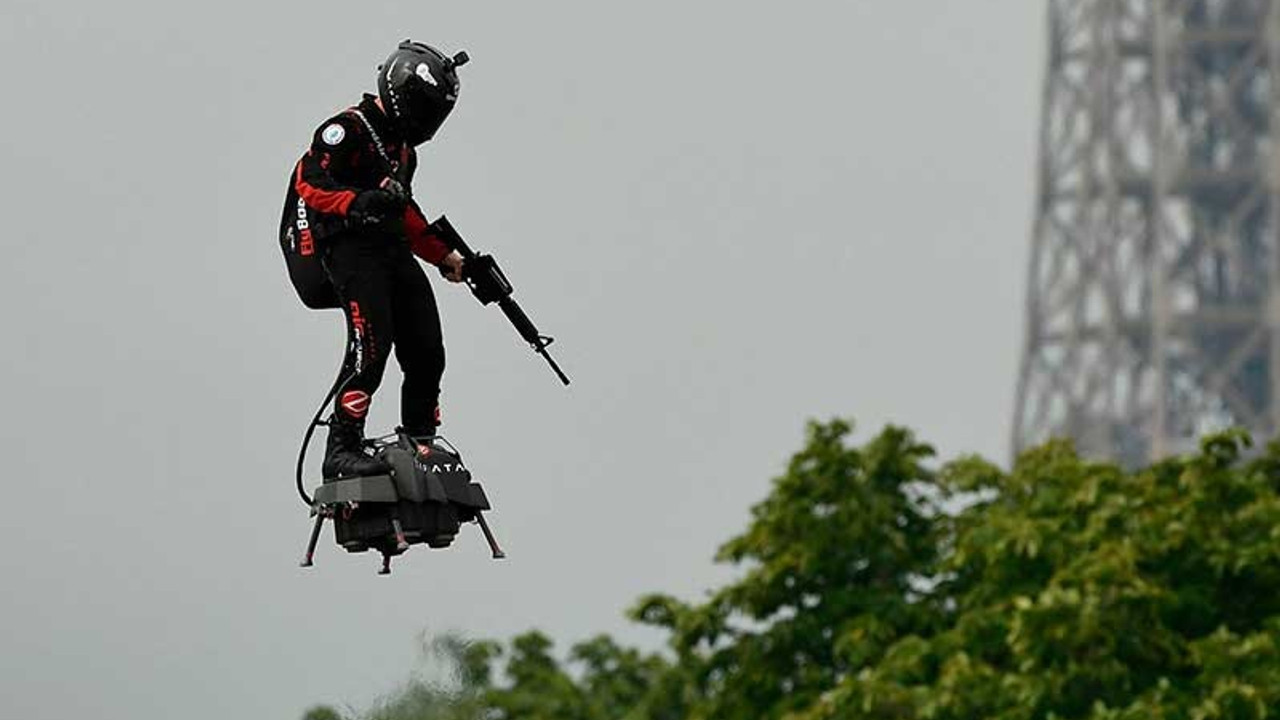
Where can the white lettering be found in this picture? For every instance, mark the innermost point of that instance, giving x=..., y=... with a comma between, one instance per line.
x=302, y=215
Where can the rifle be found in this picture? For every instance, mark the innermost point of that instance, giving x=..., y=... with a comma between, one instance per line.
x=488, y=284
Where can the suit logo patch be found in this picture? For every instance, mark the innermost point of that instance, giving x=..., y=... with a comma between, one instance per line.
x=333, y=133
x=356, y=403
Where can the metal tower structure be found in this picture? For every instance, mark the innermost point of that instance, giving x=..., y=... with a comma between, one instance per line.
x=1153, y=302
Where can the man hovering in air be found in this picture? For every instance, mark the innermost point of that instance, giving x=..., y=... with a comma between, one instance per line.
x=351, y=231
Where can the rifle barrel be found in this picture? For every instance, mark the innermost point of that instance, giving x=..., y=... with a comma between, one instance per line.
x=542, y=350
x=497, y=287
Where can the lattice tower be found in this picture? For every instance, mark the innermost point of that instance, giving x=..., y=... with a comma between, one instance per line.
x=1153, y=303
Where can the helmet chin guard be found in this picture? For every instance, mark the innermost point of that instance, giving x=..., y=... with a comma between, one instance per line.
x=418, y=86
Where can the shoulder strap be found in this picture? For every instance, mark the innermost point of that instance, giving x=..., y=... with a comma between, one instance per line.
x=396, y=168
x=377, y=141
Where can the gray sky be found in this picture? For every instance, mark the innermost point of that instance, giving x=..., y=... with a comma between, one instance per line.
x=733, y=216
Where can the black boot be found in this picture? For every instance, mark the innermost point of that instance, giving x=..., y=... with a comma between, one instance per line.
x=421, y=435
x=344, y=456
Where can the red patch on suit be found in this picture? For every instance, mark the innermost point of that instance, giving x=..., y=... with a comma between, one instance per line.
x=355, y=403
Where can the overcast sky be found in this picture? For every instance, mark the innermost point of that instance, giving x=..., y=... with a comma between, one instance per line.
x=733, y=216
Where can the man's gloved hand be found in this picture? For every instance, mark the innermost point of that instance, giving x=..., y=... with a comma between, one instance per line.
x=394, y=187
x=383, y=203
x=451, y=267
x=372, y=206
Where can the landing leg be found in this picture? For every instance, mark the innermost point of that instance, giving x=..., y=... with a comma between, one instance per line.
x=488, y=536
x=315, y=537
x=401, y=543
x=386, y=565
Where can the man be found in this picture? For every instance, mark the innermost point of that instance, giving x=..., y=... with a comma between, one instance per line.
x=351, y=221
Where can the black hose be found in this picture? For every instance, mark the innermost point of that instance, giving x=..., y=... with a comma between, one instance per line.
x=338, y=385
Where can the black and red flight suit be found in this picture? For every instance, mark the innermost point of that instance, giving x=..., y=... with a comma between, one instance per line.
x=369, y=259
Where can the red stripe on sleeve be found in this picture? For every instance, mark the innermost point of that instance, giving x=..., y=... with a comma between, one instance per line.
x=422, y=241
x=429, y=248
x=328, y=201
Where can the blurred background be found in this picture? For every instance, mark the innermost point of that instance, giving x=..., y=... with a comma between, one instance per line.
x=733, y=217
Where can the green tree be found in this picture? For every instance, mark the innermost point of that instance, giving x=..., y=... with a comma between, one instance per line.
x=1061, y=589
x=599, y=681
x=873, y=586
x=1076, y=590
x=834, y=559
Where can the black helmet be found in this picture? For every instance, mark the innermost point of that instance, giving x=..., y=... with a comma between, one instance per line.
x=418, y=85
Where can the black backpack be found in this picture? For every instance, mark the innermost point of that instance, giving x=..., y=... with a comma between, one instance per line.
x=302, y=257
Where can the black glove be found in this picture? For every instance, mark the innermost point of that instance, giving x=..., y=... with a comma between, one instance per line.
x=394, y=187
x=373, y=206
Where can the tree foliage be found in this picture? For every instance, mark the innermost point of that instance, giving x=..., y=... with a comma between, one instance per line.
x=875, y=587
